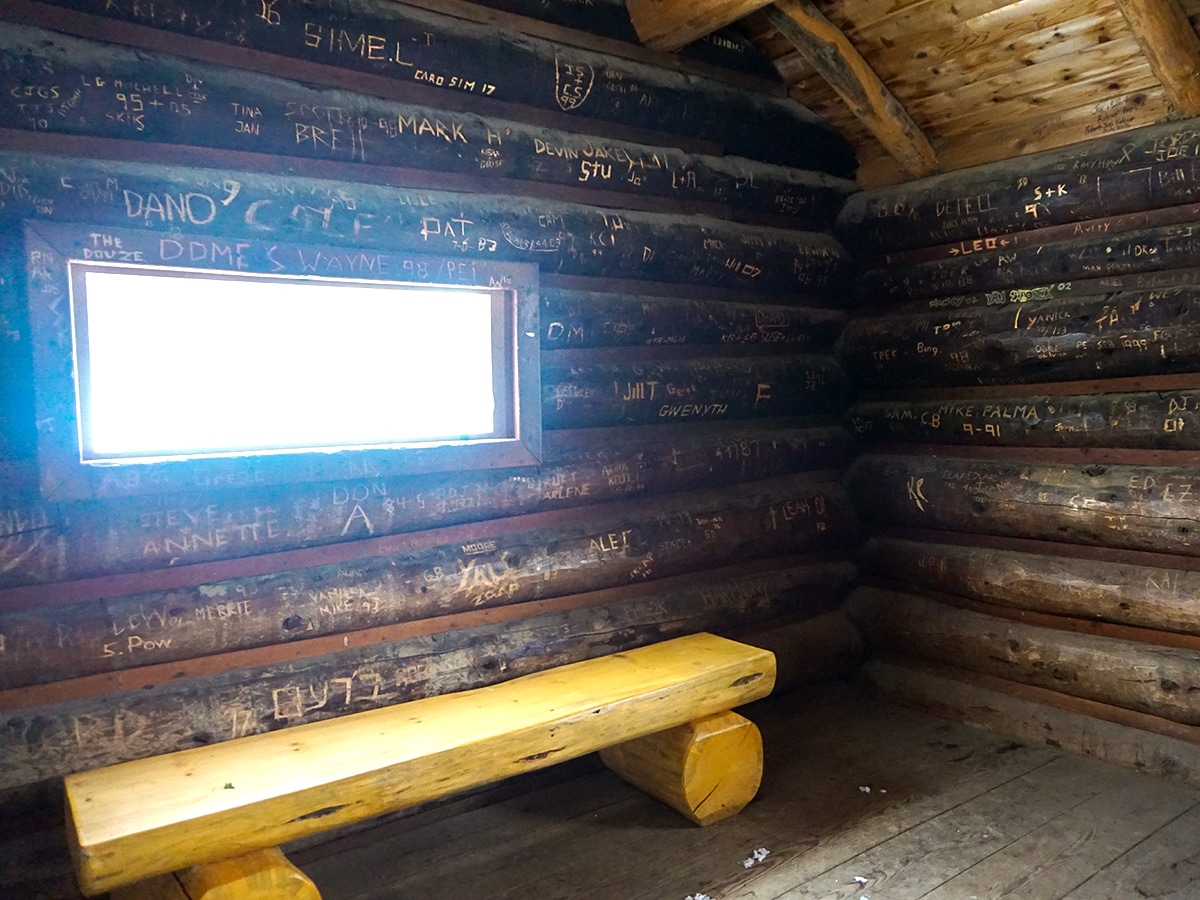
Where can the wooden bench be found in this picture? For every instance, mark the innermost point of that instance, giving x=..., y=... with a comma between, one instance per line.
x=215, y=815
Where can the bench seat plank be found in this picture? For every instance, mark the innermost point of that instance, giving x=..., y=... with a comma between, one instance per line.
x=151, y=816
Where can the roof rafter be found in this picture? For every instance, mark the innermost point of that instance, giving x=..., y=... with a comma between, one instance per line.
x=1172, y=47
x=827, y=49
x=670, y=24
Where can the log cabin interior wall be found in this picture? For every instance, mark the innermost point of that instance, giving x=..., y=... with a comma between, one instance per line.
x=1022, y=362
x=1028, y=411
x=690, y=294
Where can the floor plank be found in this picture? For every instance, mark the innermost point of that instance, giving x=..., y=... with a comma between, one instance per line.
x=953, y=812
x=1165, y=866
x=904, y=867
x=1055, y=858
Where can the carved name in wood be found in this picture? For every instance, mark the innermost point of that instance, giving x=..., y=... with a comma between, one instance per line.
x=182, y=523
x=461, y=58
x=66, y=85
x=50, y=741
x=1151, y=420
x=681, y=534
x=1144, y=169
x=579, y=319
x=1157, y=249
x=1062, y=339
x=1136, y=507
x=591, y=395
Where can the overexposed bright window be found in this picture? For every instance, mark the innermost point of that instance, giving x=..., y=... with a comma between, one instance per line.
x=176, y=363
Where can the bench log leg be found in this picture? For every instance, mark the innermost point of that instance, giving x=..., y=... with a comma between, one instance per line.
x=264, y=874
x=708, y=769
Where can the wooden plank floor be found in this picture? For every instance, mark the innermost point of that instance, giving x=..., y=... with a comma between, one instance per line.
x=952, y=813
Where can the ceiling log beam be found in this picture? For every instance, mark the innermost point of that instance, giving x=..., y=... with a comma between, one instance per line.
x=1172, y=47
x=671, y=24
x=827, y=49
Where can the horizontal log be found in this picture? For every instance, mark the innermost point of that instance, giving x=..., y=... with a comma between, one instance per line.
x=1132, y=281
x=1159, y=681
x=50, y=741
x=445, y=55
x=1134, y=171
x=581, y=319
x=1149, y=508
x=1134, y=221
x=1158, y=249
x=380, y=225
x=606, y=18
x=81, y=81
x=604, y=26
x=1139, y=595
x=588, y=396
x=1015, y=711
x=178, y=524
x=1065, y=339
x=1156, y=421
x=592, y=551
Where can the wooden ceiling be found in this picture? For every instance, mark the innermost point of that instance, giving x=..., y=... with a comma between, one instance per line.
x=977, y=80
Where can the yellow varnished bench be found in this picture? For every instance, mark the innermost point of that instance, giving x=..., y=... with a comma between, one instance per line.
x=660, y=715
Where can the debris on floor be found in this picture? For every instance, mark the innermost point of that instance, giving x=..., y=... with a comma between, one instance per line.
x=756, y=857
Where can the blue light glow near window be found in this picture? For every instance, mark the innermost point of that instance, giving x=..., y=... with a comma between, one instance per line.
x=186, y=365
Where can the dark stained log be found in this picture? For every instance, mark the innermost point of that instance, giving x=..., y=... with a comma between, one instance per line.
x=152, y=674
x=369, y=219
x=809, y=649
x=50, y=741
x=598, y=394
x=1065, y=339
x=179, y=102
x=1129, y=172
x=1040, y=716
x=177, y=524
x=591, y=551
x=1135, y=507
x=1134, y=221
x=1143, y=596
x=1158, y=681
x=732, y=51
x=1134, y=281
x=580, y=319
x=22, y=512
x=1157, y=249
x=726, y=55
x=603, y=17
x=426, y=49
x=1158, y=420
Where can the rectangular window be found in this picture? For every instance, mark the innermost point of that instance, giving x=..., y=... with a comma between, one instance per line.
x=234, y=363
x=284, y=364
